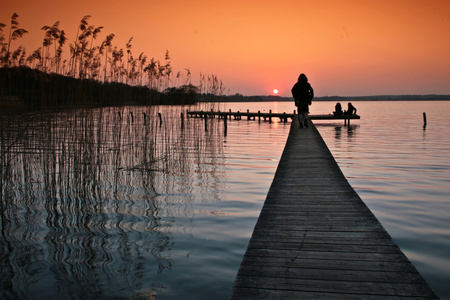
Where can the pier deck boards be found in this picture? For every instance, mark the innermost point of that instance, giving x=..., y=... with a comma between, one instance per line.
x=315, y=238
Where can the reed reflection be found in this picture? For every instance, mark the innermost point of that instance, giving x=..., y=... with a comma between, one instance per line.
x=87, y=204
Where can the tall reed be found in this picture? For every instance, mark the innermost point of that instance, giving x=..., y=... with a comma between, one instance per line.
x=87, y=59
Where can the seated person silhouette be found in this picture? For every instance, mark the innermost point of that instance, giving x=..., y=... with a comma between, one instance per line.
x=338, y=109
x=351, y=109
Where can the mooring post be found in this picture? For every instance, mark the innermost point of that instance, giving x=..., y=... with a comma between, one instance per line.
x=230, y=113
x=424, y=120
x=270, y=116
x=225, y=126
x=182, y=121
x=259, y=116
x=248, y=115
x=160, y=119
x=206, y=123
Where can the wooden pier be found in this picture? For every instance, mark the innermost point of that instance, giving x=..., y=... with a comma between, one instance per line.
x=316, y=239
x=237, y=115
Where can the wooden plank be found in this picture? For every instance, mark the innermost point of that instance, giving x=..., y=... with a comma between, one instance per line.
x=330, y=273
x=327, y=264
x=374, y=258
x=334, y=288
x=255, y=293
x=315, y=237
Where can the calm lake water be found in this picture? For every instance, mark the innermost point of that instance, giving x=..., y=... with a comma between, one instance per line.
x=113, y=204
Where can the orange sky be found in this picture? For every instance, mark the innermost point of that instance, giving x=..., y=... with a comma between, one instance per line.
x=346, y=48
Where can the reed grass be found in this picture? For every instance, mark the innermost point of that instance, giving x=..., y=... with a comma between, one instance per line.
x=89, y=59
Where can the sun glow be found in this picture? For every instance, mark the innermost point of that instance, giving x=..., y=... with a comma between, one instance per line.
x=275, y=91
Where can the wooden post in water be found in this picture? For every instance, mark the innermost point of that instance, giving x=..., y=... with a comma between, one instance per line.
x=259, y=116
x=206, y=123
x=160, y=119
x=347, y=120
x=182, y=121
x=225, y=126
x=230, y=113
x=424, y=120
x=270, y=116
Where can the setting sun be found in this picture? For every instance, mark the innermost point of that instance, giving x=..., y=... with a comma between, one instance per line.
x=275, y=91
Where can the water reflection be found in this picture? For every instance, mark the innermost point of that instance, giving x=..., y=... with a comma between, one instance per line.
x=340, y=131
x=87, y=205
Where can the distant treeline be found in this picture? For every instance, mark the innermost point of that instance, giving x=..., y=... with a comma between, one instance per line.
x=384, y=98
x=242, y=98
x=33, y=89
x=239, y=98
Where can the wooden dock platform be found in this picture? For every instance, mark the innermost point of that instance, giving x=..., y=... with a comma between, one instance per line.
x=266, y=116
x=316, y=239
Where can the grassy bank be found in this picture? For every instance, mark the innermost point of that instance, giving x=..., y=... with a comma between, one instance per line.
x=31, y=89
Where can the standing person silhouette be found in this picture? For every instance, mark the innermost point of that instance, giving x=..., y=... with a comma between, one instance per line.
x=303, y=93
